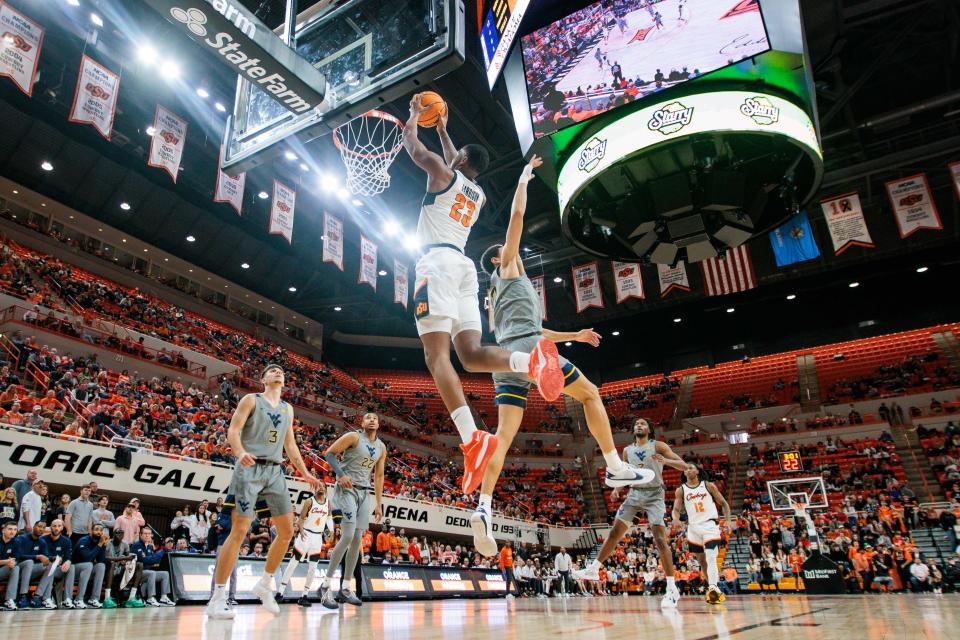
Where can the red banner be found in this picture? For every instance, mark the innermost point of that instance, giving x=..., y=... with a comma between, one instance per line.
x=368, y=262
x=541, y=289
x=282, y=210
x=913, y=204
x=168, y=142
x=401, y=283
x=586, y=287
x=19, y=47
x=230, y=190
x=954, y=168
x=95, y=100
x=333, y=240
x=845, y=222
x=673, y=278
x=626, y=277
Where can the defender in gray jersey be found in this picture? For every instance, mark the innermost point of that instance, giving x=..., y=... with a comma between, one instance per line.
x=647, y=453
x=362, y=454
x=518, y=325
x=260, y=431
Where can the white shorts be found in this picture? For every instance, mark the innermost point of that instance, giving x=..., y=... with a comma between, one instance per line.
x=445, y=297
x=700, y=533
x=312, y=546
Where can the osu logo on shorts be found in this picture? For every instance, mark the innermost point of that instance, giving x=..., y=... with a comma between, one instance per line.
x=423, y=309
x=97, y=91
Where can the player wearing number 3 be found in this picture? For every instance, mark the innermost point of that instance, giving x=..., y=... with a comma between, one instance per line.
x=445, y=294
x=699, y=499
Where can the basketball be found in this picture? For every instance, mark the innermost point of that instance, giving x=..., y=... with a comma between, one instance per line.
x=434, y=108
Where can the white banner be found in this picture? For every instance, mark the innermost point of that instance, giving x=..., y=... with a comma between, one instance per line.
x=168, y=142
x=954, y=168
x=541, y=289
x=401, y=283
x=95, y=100
x=158, y=480
x=230, y=190
x=333, y=240
x=368, y=262
x=913, y=204
x=19, y=48
x=626, y=276
x=586, y=286
x=673, y=278
x=282, y=210
x=845, y=221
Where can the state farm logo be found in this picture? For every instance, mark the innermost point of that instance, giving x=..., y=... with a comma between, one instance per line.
x=193, y=18
x=912, y=199
x=670, y=118
x=17, y=41
x=169, y=138
x=96, y=91
x=760, y=110
x=592, y=154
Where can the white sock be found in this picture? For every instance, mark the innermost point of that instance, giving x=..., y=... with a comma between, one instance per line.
x=267, y=580
x=464, y=420
x=614, y=463
x=133, y=593
x=326, y=579
x=519, y=362
x=486, y=501
x=106, y=593
x=671, y=583
x=713, y=573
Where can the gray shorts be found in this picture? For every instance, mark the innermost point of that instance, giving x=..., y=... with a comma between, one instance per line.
x=353, y=506
x=648, y=501
x=259, y=489
x=513, y=388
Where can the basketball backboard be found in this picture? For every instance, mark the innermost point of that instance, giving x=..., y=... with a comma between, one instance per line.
x=810, y=492
x=370, y=52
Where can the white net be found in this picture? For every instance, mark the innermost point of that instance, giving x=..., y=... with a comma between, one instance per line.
x=368, y=145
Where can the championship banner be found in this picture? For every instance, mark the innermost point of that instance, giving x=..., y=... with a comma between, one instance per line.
x=333, y=240
x=913, y=204
x=230, y=190
x=95, y=100
x=541, y=289
x=168, y=141
x=845, y=221
x=19, y=48
x=626, y=277
x=954, y=168
x=282, y=210
x=672, y=278
x=368, y=262
x=586, y=287
x=400, y=283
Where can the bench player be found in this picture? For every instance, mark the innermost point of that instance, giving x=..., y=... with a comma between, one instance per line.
x=518, y=325
x=647, y=453
x=315, y=521
x=361, y=453
x=445, y=295
x=260, y=431
x=699, y=499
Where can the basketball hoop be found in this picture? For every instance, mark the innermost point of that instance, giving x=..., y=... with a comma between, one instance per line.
x=368, y=145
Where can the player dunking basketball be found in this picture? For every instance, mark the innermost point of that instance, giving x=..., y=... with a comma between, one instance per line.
x=315, y=520
x=260, y=431
x=445, y=296
x=518, y=324
x=699, y=499
x=646, y=453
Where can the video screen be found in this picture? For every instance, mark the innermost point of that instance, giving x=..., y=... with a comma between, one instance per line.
x=614, y=52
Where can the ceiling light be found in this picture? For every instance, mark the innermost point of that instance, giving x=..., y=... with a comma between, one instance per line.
x=263, y=195
x=411, y=243
x=391, y=228
x=304, y=167
x=191, y=239
x=123, y=239
x=244, y=266
x=329, y=182
x=615, y=333
x=357, y=203
x=73, y=3
x=95, y=19
x=203, y=93
x=558, y=279
x=919, y=269
x=568, y=344
x=145, y=250
x=338, y=308
x=46, y=166
x=166, y=259
x=219, y=107
x=792, y=296
x=730, y=310
x=190, y=270
x=290, y=155
x=343, y=193
x=170, y=70
x=678, y=319
x=125, y=206
x=853, y=285
x=151, y=131
x=382, y=272
x=292, y=289
x=147, y=54
x=526, y=249
x=15, y=192
x=43, y=204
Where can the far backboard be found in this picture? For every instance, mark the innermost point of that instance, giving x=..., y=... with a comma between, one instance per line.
x=370, y=51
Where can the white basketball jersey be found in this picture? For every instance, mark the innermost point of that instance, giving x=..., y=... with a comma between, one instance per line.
x=319, y=517
x=447, y=216
x=699, y=504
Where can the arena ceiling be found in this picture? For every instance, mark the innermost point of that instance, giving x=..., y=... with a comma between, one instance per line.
x=887, y=74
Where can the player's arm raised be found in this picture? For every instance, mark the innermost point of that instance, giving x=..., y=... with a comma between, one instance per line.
x=244, y=408
x=293, y=453
x=677, y=505
x=511, y=246
x=341, y=444
x=722, y=503
x=378, y=486
x=450, y=151
x=438, y=172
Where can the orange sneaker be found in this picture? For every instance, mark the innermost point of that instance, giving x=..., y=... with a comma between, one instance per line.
x=476, y=455
x=545, y=370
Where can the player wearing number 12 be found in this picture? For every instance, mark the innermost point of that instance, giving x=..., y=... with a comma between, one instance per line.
x=445, y=296
x=261, y=429
x=700, y=499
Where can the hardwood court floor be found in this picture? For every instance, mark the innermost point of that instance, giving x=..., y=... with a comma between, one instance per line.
x=916, y=617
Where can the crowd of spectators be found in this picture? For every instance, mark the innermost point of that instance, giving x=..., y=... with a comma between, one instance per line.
x=910, y=375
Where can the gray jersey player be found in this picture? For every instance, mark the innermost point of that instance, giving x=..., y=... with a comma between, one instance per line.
x=362, y=455
x=261, y=429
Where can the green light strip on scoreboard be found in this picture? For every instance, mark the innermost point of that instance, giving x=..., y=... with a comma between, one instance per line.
x=722, y=111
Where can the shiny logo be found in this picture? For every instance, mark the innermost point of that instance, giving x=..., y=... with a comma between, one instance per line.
x=97, y=91
x=760, y=110
x=670, y=118
x=193, y=18
x=169, y=138
x=592, y=154
x=283, y=206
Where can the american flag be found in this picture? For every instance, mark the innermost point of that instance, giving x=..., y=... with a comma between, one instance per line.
x=731, y=273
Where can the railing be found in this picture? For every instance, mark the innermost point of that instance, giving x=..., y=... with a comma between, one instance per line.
x=62, y=325
x=11, y=349
x=36, y=375
x=118, y=441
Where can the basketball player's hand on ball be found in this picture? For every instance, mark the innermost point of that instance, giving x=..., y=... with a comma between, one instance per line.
x=378, y=514
x=247, y=460
x=442, y=122
x=416, y=104
x=345, y=482
x=588, y=336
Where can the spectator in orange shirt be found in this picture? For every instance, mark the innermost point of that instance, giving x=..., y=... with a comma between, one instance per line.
x=506, y=565
x=383, y=542
x=728, y=580
x=394, y=543
x=795, y=561
x=50, y=402
x=414, y=550
x=367, y=541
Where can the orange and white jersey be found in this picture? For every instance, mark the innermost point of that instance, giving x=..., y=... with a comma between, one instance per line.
x=447, y=216
x=319, y=517
x=699, y=504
